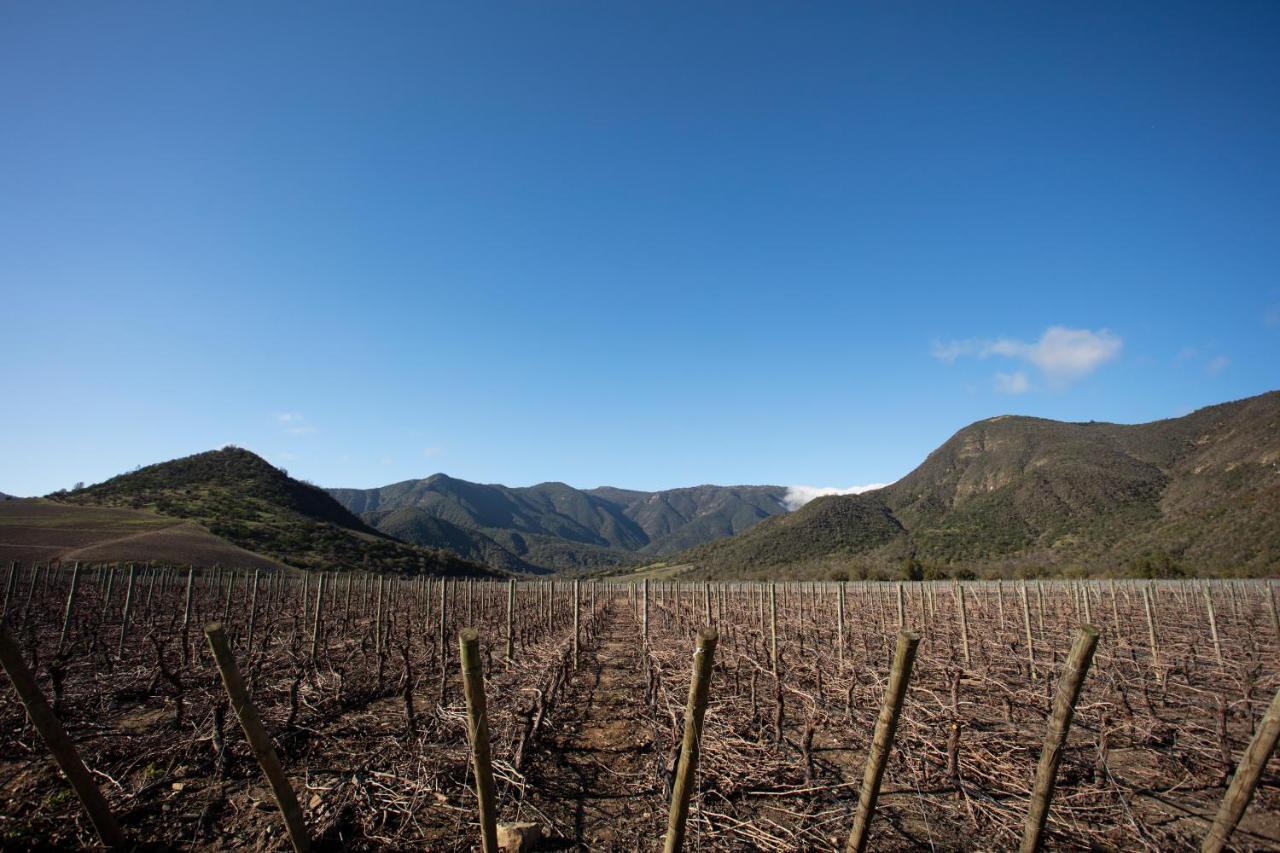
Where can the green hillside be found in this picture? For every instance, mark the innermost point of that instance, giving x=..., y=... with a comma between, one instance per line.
x=241, y=498
x=553, y=526
x=1199, y=493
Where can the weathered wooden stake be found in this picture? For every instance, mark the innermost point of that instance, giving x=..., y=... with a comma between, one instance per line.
x=687, y=769
x=1151, y=632
x=128, y=605
x=1026, y=621
x=511, y=610
x=1213, y=622
x=71, y=603
x=253, y=611
x=1252, y=763
x=9, y=587
x=773, y=628
x=478, y=729
x=316, y=626
x=1064, y=708
x=964, y=624
x=577, y=630
x=840, y=623
x=55, y=738
x=904, y=657
x=644, y=610
x=259, y=740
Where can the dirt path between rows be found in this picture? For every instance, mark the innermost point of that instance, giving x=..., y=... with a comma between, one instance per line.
x=595, y=776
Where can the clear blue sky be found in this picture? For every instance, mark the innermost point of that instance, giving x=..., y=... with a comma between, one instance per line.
x=633, y=244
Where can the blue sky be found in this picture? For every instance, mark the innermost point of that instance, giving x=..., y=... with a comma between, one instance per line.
x=646, y=245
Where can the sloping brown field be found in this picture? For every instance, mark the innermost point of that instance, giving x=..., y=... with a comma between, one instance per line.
x=41, y=530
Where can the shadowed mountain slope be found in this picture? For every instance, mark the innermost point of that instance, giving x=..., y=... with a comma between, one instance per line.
x=241, y=498
x=554, y=526
x=1201, y=492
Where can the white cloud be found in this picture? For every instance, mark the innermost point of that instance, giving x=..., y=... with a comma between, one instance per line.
x=1013, y=383
x=1216, y=365
x=1062, y=355
x=798, y=496
x=432, y=451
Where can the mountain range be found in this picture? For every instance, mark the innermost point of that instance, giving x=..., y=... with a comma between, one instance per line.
x=1010, y=494
x=230, y=498
x=553, y=526
x=1199, y=493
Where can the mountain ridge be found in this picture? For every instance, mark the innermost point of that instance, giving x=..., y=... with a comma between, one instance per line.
x=553, y=526
x=242, y=499
x=1015, y=493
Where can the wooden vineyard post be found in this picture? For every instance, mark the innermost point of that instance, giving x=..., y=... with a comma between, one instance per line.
x=128, y=605
x=257, y=736
x=773, y=628
x=644, y=611
x=10, y=585
x=1275, y=614
x=577, y=630
x=1151, y=632
x=478, y=729
x=59, y=745
x=1064, y=708
x=686, y=771
x=902, y=616
x=840, y=623
x=904, y=657
x=253, y=610
x=71, y=603
x=1026, y=621
x=964, y=624
x=377, y=621
x=1213, y=622
x=511, y=609
x=316, y=627
x=1252, y=763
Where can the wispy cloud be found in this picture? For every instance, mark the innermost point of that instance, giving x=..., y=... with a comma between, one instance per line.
x=294, y=423
x=1013, y=383
x=432, y=451
x=1062, y=355
x=1216, y=365
x=798, y=496
x=1271, y=317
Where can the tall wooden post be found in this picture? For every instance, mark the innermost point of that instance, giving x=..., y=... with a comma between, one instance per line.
x=1064, y=708
x=1252, y=763
x=316, y=626
x=71, y=603
x=644, y=611
x=56, y=740
x=773, y=628
x=511, y=611
x=1213, y=622
x=257, y=736
x=128, y=605
x=577, y=630
x=478, y=729
x=904, y=657
x=687, y=769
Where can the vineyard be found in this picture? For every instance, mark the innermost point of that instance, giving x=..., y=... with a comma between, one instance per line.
x=358, y=681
